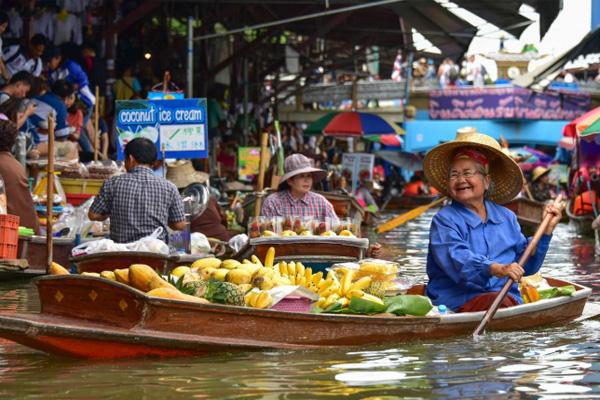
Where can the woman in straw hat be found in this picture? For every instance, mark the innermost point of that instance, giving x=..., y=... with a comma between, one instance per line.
x=540, y=184
x=474, y=242
x=294, y=197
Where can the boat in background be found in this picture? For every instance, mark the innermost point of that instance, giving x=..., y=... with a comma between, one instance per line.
x=89, y=317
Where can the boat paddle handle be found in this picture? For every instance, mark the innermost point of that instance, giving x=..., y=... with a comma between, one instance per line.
x=489, y=314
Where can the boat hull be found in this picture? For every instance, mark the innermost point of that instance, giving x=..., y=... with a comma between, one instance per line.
x=90, y=317
x=581, y=223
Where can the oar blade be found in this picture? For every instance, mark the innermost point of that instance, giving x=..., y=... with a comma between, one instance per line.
x=407, y=216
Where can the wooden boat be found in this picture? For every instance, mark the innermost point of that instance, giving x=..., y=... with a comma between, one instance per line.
x=407, y=202
x=318, y=252
x=529, y=212
x=109, y=261
x=90, y=317
x=581, y=223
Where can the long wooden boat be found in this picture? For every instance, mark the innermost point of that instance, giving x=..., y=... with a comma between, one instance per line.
x=581, y=223
x=529, y=212
x=89, y=317
x=402, y=202
x=109, y=261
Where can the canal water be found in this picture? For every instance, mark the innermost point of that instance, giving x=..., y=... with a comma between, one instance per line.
x=552, y=363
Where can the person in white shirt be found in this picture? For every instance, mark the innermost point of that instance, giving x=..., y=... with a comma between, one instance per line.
x=29, y=59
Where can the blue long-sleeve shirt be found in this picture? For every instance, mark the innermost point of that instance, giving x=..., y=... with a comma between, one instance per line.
x=462, y=247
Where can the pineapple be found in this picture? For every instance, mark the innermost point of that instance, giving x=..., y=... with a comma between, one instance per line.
x=376, y=289
x=190, y=287
x=224, y=293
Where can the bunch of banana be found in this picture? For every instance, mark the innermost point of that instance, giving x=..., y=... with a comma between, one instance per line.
x=332, y=290
x=258, y=299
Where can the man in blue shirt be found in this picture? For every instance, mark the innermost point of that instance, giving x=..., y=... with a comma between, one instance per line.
x=474, y=243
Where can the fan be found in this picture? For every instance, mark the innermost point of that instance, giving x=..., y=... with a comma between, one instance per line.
x=195, y=199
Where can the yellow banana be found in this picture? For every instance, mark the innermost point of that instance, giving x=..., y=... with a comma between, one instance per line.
x=300, y=268
x=263, y=300
x=291, y=268
x=230, y=264
x=246, y=261
x=331, y=299
x=256, y=260
x=250, y=298
x=321, y=302
x=209, y=262
x=317, y=278
x=346, y=281
x=355, y=293
x=324, y=284
x=308, y=275
x=344, y=301
x=283, y=271
x=270, y=257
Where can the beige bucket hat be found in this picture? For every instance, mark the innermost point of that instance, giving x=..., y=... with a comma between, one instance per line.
x=183, y=174
x=296, y=164
x=504, y=172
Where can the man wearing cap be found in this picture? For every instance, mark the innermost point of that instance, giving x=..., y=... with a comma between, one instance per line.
x=138, y=202
x=294, y=197
x=540, y=184
x=475, y=243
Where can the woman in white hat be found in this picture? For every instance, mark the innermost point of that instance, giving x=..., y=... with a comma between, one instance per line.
x=474, y=242
x=294, y=197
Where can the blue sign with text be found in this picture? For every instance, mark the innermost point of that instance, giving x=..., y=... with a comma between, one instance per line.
x=178, y=127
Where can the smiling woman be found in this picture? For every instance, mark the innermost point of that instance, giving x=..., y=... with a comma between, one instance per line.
x=474, y=242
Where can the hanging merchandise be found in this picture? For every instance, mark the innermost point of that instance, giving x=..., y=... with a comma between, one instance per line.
x=3, y=206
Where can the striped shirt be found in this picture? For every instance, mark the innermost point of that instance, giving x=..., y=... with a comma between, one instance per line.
x=138, y=202
x=283, y=204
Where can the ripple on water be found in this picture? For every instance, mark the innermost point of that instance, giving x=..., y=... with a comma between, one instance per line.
x=557, y=362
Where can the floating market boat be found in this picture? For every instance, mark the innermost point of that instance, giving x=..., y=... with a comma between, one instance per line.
x=529, y=212
x=581, y=223
x=88, y=317
x=317, y=252
x=408, y=202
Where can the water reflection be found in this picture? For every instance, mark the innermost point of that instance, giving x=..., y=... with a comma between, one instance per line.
x=555, y=362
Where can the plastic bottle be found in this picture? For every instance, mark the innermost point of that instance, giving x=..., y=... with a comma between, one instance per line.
x=442, y=309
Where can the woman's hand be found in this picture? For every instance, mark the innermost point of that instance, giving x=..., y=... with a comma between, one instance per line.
x=514, y=271
x=556, y=217
x=375, y=251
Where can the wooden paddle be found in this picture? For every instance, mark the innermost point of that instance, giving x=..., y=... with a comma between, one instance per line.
x=522, y=261
x=407, y=216
x=50, y=194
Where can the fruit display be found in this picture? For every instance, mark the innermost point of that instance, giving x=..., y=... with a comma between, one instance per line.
x=252, y=283
x=301, y=226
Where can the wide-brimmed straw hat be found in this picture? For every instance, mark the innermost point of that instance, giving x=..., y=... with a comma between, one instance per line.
x=504, y=172
x=183, y=174
x=538, y=172
x=296, y=164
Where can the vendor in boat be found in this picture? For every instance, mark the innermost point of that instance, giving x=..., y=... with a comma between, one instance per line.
x=541, y=188
x=18, y=198
x=474, y=242
x=294, y=197
x=138, y=202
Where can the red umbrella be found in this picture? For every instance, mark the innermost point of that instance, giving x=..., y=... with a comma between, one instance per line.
x=579, y=124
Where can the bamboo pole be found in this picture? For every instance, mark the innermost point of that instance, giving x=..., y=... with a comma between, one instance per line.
x=264, y=148
x=96, y=123
x=49, y=193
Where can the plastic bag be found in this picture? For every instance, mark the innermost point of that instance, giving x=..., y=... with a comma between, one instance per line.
x=150, y=243
x=199, y=244
x=238, y=242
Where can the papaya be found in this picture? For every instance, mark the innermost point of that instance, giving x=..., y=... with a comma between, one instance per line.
x=144, y=278
x=57, y=269
x=94, y=274
x=122, y=275
x=172, y=293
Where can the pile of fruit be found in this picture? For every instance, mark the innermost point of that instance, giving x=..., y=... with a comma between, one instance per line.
x=300, y=226
x=247, y=283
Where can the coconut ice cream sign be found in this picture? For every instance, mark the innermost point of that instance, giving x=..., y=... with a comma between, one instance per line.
x=177, y=127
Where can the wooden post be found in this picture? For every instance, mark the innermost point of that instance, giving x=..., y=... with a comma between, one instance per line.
x=49, y=193
x=264, y=148
x=96, y=121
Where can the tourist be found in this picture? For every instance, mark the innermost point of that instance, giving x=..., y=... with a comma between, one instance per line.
x=541, y=188
x=474, y=242
x=138, y=202
x=29, y=59
x=18, y=86
x=19, y=201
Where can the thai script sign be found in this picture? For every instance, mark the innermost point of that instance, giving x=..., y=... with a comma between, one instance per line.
x=506, y=103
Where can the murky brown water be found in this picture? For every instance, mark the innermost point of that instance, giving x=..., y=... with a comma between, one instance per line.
x=561, y=362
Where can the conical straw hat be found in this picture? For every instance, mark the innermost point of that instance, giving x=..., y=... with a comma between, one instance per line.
x=183, y=174
x=504, y=172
